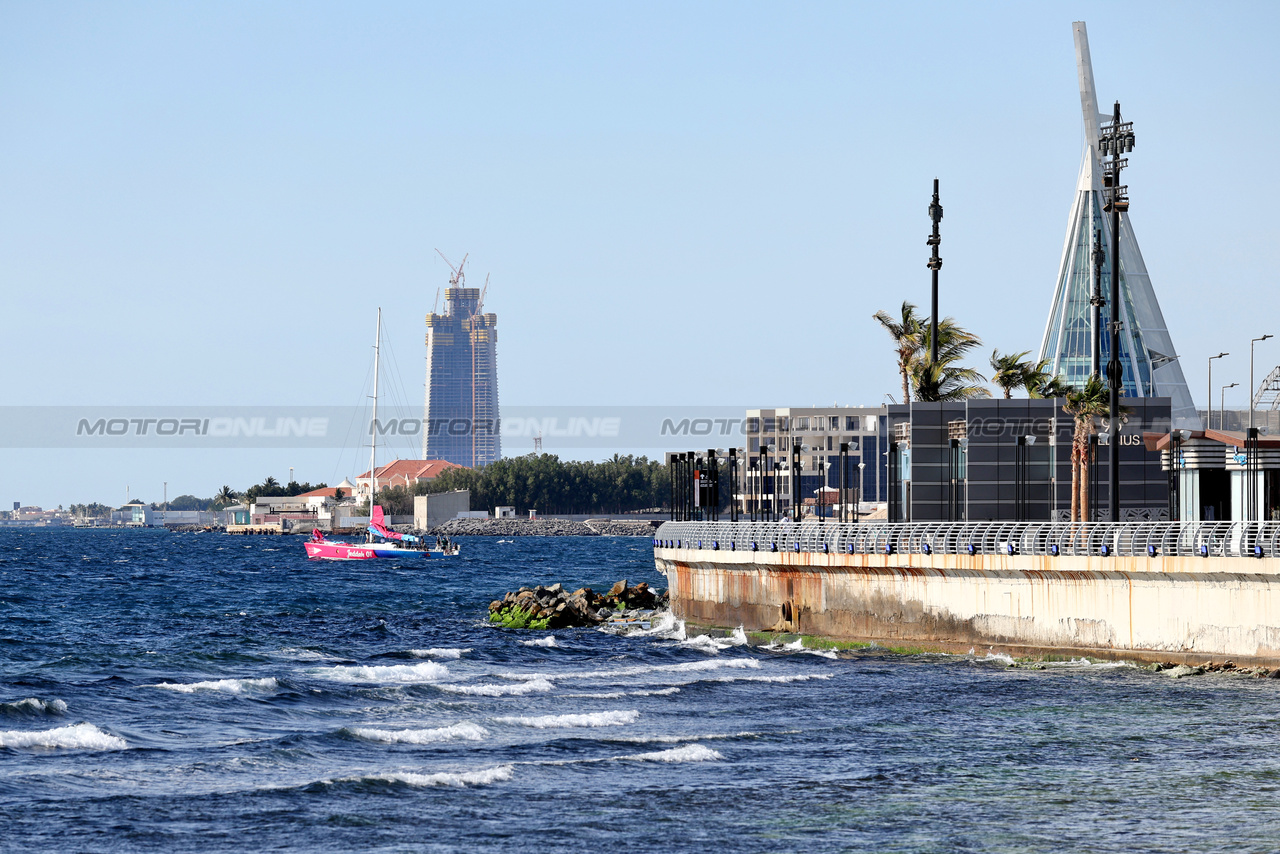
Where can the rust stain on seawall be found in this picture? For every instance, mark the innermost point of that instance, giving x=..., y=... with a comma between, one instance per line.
x=1133, y=608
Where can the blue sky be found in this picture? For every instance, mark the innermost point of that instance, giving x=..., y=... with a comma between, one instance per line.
x=678, y=203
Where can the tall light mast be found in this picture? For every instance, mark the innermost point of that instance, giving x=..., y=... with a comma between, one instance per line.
x=373, y=431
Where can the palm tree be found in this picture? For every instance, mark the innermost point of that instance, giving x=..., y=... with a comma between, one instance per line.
x=944, y=382
x=947, y=380
x=1049, y=388
x=1010, y=371
x=1084, y=405
x=225, y=497
x=908, y=336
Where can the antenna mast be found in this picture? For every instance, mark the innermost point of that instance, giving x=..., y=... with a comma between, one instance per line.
x=373, y=432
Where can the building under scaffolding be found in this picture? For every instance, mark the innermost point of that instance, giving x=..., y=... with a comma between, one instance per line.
x=461, y=412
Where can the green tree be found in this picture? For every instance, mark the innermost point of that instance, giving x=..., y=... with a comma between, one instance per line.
x=1010, y=371
x=1085, y=405
x=907, y=334
x=946, y=380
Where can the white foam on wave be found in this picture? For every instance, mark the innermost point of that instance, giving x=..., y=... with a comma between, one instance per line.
x=714, y=736
x=515, y=689
x=684, y=667
x=686, y=753
x=588, y=719
x=225, y=686
x=999, y=657
x=549, y=642
x=777, y=680
x=618, y=695
x=662, y=625
x=390, y=674
x=34, y=705
x=75, y=737
x=706, y=643
x=439, y=653
x=460, y=779
x=457, y=732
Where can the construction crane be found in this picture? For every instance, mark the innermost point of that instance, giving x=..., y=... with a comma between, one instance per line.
x=458, y=278
x=436, y=304
x=480, y=305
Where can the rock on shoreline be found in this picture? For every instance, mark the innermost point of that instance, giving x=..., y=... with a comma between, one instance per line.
x=554, y=608
x=543, y=528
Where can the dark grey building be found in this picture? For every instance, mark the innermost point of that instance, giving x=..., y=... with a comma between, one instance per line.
x=1011, y=460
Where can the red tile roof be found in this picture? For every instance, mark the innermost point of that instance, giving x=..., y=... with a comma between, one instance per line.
x=407, y=471
x=324, y=492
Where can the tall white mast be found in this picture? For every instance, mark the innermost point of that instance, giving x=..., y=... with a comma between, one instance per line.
x=373, y=432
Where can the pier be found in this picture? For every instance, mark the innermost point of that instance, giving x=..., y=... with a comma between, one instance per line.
x=1188, y=592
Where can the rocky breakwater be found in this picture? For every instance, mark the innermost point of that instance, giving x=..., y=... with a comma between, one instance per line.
x=543, y=528
x=555, y=608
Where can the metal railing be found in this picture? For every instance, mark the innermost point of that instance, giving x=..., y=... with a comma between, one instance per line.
x=1095, y=539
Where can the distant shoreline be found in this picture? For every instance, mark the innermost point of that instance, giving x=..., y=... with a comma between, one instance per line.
x=544, y=528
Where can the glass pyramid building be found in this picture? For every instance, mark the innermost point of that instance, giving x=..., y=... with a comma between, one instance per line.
x=1147, y=353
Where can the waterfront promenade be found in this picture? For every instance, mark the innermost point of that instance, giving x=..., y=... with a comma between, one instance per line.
x=1187, y=592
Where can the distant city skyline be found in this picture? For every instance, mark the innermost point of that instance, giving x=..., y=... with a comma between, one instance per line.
x=705, y=203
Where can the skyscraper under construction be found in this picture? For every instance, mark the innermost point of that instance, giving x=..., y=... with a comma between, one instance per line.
x=461, y=412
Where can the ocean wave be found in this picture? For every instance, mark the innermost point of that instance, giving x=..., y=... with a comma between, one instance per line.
x=686, y=753
x=706, y=643
x=390, y=674
x=777, y=680
x=588, y=719
x=549, y=642
x=225, y=686
x=684, y=667
x=714, y=736
x=460, y=779
x=513, y=689
x=663, y=625
x=456, y=732
x=34, y=706
x=75, y=737
x=438, y=653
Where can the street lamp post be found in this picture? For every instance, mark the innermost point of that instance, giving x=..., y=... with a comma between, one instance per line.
x=1208, y=420
x=1096, y=303
x=1117, y=138
x=844, y=467
x=1222, y=406
x=862, y=484
x=1253, y=341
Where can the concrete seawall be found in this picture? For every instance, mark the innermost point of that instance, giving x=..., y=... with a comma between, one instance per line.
x=1157, y=608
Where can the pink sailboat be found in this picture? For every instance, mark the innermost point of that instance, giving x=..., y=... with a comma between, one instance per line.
x=381, y=542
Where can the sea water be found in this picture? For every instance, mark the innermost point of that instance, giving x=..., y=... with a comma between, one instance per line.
x=179, y=692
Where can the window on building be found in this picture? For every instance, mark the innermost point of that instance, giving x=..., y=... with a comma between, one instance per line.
x=770, y=424
x=782, y=424
x=833, y=423
x=753, y=425
x=852, y=422
x=802, y=423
